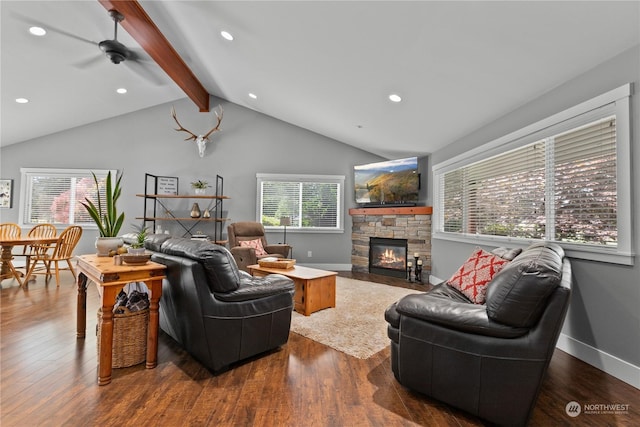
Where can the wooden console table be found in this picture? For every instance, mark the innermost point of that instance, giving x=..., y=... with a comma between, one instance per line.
x=110, y=279
x=315, y=289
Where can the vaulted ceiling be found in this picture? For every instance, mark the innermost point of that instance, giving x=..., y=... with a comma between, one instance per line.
x=326, y=66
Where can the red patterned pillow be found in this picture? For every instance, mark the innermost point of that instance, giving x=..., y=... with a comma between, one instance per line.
x=255, y=244
x=475, y=274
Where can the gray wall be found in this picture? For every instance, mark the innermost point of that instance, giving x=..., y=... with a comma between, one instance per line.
x=604, y=311
x=249, y=142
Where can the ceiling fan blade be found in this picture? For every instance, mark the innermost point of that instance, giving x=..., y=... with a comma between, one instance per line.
x=140, y=26
x=145, y=71
x=51, y=28
x=90, y=62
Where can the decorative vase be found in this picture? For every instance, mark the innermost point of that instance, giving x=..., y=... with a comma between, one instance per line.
x=107, y=246
x=206, y=214
x=200, y=191
x=195, y=211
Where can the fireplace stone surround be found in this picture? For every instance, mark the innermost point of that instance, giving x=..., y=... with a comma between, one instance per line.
x=411, y=223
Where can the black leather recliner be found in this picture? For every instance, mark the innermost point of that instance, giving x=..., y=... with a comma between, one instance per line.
x=219, y=314
x=488, y=360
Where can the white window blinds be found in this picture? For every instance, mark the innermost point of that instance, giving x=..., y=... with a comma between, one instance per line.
x=311, y=202
x=585, y=196
x=561, y=188
x=53, y=196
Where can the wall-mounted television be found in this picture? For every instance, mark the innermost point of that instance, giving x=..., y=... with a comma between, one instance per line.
x=388, y=183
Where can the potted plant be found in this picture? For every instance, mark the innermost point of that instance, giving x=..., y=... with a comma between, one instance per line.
x=200, y=186
x=106, y=217
x=137, y=247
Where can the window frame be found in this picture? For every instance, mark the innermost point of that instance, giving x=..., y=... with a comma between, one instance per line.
x=302, y=178
x=615, y=102
x=25, y=193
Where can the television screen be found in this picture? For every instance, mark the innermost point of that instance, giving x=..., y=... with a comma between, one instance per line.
x=388, y=182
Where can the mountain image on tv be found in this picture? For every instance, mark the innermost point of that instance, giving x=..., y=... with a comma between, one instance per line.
x=393, y=181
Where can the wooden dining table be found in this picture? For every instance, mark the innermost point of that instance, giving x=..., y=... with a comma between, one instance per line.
x=7, y=269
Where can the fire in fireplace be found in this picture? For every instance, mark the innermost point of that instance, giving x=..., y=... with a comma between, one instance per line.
x=388, y=256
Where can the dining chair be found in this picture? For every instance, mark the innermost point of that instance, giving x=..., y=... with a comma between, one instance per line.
x=62, y=251
x=9, y=230
x=39, y=231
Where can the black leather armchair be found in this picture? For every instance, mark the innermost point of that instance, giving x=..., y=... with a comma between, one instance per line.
x=488, y=360
x=219, y=314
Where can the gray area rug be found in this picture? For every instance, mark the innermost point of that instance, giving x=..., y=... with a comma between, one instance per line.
x=356, y=326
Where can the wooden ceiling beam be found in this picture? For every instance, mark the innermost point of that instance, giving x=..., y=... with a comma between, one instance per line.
x=140, y=26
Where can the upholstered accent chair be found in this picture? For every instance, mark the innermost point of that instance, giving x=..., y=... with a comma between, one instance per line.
x=488, y=359
x=248, y=244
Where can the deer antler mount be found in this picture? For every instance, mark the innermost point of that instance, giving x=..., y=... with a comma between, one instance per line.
x=200, y=140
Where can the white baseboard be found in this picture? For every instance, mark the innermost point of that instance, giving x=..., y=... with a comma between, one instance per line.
x=608, y=363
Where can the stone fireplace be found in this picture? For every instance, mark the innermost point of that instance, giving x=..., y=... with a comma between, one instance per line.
x=412, y=224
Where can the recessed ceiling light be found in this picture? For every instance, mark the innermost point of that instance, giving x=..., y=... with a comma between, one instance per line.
x=37, y=31
x=121, y=90
x=22, y=100
x=395, y=97
x=227, y=35
x=253, y=95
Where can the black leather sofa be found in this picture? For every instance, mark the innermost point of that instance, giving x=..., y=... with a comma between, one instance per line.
x=488, y=360
x=219, y=314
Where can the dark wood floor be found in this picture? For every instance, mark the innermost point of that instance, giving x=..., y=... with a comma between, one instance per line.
x=48, y=378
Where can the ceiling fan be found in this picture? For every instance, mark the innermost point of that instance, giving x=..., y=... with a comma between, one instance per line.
x=154, y=46
x=115, y=51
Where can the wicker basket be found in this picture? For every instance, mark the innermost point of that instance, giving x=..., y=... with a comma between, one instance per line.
x=129, y=337
x=280, y=263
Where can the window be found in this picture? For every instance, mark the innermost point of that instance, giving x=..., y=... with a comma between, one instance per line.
x=566, y=179
x=53, y=196
x=312, y=202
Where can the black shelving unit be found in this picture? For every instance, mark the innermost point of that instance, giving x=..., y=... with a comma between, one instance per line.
x=159, y=189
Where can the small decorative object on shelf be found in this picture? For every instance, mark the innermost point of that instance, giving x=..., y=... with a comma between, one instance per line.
x=409, y=265
x=206, y=214
x=200, y=187
x=195, y=211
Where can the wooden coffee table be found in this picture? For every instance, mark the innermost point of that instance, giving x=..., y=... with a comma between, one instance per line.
x=315, y=289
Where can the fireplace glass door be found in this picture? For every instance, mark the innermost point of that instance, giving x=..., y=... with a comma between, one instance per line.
x=388, y=256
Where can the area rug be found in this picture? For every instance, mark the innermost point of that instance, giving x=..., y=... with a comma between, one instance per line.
x=356, y=326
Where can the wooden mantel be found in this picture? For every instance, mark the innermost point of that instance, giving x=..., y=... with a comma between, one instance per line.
x=409, y=210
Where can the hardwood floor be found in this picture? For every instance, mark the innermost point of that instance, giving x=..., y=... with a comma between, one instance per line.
x=48, y=378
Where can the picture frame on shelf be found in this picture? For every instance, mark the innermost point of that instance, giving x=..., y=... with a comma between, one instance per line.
x=167, y=185
x=6, y=193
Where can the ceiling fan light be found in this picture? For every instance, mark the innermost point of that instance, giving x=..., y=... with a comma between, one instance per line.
x=394, y=97
x=115, y=57
x=121, y=90
x=253, y=95
x=226, y=35
x=37, y=31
